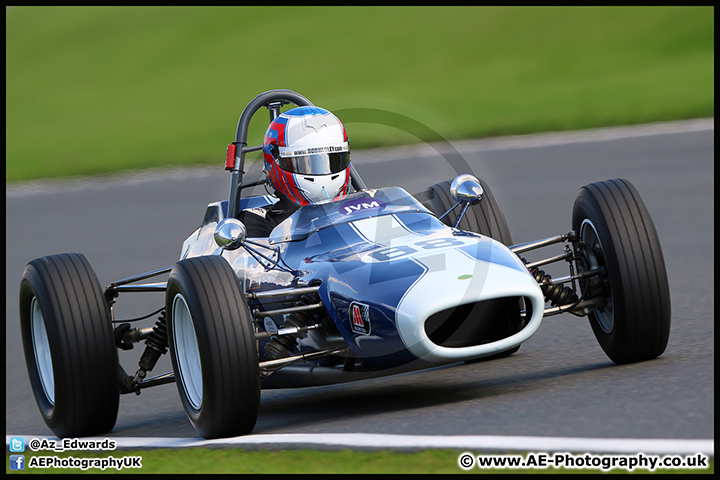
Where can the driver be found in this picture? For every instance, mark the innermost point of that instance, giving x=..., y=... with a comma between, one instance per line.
x=306, y=160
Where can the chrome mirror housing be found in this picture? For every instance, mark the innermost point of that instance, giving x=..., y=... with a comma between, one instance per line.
x=466, y=189
x=230, y=233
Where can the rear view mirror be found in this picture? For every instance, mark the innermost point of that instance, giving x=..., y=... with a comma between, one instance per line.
x=466, y=189
x=230, y=233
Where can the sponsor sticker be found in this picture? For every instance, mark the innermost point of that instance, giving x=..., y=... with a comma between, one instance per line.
x=361, y=205
x=297, y=152
x=360, y=318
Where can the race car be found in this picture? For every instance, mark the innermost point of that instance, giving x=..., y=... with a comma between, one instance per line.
x=375, y=283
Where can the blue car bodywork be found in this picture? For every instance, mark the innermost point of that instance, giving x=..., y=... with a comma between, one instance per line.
x=400, y=287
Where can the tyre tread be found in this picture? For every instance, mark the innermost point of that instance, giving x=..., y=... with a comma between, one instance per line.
x=640, y=294
x=84, y=354
x=224, y=332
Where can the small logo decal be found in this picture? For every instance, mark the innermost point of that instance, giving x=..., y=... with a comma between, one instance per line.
x=269, y=325
x=464, y=277
x=361, y=205
x=360, y=318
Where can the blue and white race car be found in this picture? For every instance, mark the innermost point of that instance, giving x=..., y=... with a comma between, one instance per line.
x=375, y=283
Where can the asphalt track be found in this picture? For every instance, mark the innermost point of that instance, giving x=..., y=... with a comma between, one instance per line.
x=559, y=385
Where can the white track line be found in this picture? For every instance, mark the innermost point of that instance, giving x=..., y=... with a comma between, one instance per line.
x=591, y=135
x=538, y=140
x=493, y=443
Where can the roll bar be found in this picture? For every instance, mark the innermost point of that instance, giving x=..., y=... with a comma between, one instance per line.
x=273, y=100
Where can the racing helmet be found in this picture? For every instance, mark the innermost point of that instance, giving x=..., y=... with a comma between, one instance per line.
x=306, y=155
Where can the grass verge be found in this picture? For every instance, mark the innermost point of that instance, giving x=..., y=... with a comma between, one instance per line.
x=94, y=90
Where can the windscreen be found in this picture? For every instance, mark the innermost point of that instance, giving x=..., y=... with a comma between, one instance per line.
x=367, y=203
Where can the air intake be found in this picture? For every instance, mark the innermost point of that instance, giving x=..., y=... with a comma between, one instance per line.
x=478, y=323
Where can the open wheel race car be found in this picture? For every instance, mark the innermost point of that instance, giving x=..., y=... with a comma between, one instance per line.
x=373, y=284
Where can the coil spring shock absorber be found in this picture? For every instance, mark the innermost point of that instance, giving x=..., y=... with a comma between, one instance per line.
x=156, y=344
x=279, y=346
x=555, y=294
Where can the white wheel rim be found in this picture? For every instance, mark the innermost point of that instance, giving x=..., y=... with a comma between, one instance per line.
x=187, y=352
x=606, y=318
x=41, y=350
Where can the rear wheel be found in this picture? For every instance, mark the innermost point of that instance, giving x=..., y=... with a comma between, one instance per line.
x=617, y=234
x=69, y=348
x=213, y=348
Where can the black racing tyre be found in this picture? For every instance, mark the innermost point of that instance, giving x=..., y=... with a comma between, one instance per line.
x=485, y=218
x=617, y=233
x=213, y=348
x=69, y=347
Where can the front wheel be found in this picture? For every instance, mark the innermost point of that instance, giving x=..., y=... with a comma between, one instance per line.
x=212, y=347
x=617, y=235
x=69, y=348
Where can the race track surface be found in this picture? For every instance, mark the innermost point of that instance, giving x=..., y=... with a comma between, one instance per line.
x=560, y=383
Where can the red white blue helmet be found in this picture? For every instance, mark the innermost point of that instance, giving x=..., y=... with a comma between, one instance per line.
x=306, y=155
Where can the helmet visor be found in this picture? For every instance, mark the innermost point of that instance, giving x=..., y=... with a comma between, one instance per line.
x=316, y=163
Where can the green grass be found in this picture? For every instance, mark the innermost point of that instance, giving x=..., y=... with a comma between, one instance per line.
x=204, y=461
x=94, y=90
